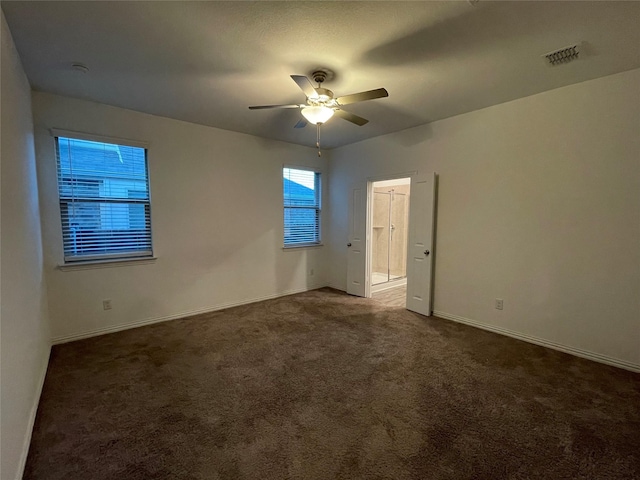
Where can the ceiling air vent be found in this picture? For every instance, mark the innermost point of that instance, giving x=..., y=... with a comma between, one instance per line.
x=564, y=55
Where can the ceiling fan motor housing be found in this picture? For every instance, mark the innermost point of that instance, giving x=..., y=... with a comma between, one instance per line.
x=324, y=95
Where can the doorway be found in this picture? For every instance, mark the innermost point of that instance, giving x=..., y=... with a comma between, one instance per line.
x=419, y=242
x=389, y=234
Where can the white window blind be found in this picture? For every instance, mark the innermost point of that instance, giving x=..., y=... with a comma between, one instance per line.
x=301, y=207
x=104, y=200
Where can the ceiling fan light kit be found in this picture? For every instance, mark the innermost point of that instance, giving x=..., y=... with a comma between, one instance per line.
x=317, y=114
x=321, y=104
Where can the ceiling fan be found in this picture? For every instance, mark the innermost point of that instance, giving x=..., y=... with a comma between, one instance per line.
x=321, y=104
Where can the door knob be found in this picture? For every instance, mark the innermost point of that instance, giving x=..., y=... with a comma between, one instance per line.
x=348, y=244
x=426, y=252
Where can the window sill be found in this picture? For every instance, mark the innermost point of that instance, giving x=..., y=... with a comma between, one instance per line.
x=304, y=245
x=120, y=262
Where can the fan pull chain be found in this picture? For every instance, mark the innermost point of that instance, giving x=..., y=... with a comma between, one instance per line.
x=318, y=139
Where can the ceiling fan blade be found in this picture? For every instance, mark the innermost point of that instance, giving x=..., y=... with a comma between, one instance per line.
x=362, y=96
x=350, y=117
x=262, y=107
x=301, y=123
x=305, y=85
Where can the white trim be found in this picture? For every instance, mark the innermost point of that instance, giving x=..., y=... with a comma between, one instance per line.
x=393, y=182
x=58, y=132
x=302, y=245
x=119, y=262
x=149, y=321
x=32, y=418
x=368, y=245
x=596, y=357
x=392, y=176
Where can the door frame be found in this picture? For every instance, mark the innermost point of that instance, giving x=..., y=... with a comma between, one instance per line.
x=369, y=221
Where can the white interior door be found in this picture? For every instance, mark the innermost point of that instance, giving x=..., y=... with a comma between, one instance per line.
x=357, y=242
x=420, y=246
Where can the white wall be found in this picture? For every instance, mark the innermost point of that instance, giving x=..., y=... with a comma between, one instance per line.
x=539, y=205
x=24, y=327
x=216, y=203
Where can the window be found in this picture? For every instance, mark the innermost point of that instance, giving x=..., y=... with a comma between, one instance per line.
x=301, y=207
x=104, y=200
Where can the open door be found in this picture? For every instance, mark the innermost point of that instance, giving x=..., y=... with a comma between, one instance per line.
x=357, y=242
x=420, y=248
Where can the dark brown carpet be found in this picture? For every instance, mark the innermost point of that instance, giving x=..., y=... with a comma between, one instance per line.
x=321, y=385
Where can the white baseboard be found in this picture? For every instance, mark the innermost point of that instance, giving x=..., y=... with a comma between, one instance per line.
x=32, y=418
x=596, y=357
x=149, y=321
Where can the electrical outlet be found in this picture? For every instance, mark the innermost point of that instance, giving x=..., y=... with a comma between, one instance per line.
x=106, y=304
x=499, y=303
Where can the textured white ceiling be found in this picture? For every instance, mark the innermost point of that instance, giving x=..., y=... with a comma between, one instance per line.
x=206, y=62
